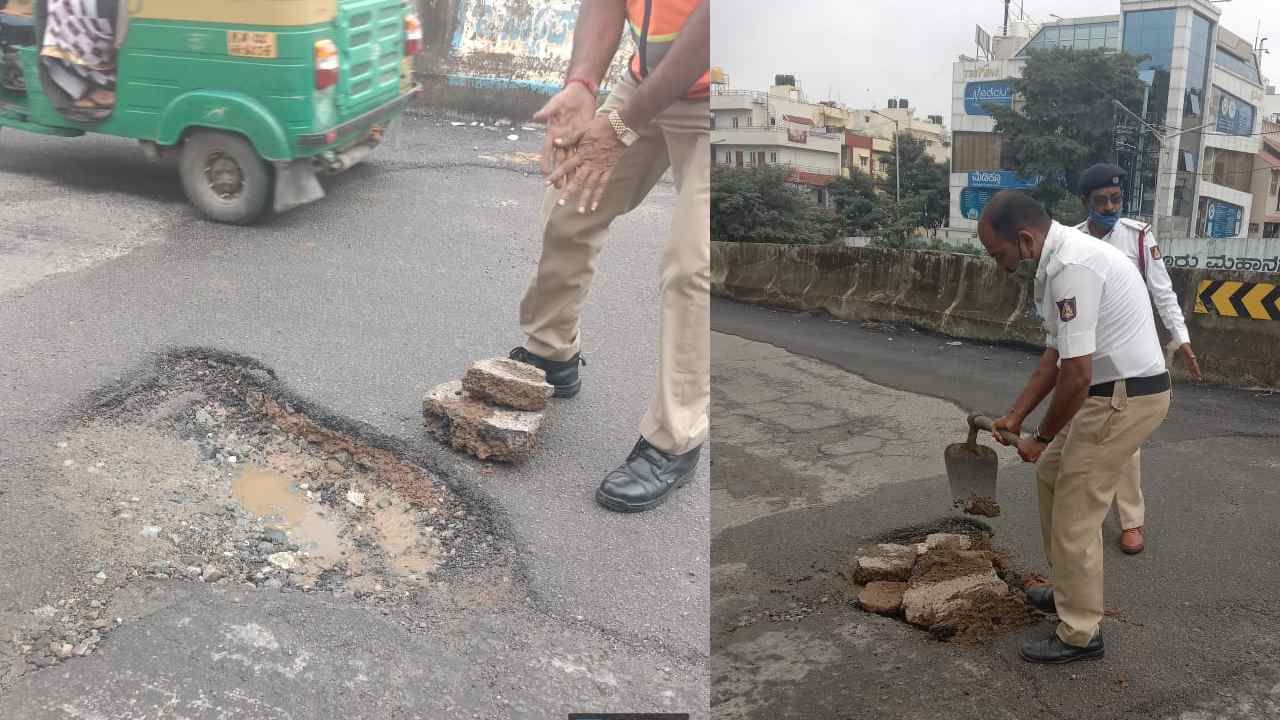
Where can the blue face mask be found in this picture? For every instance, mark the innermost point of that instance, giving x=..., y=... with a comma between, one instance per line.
x=1106, y=221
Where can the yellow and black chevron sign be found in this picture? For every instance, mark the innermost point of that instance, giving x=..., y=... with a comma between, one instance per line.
x=1232, y=298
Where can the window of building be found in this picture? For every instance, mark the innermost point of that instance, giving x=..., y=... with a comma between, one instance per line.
x=773, y=157
x=1229, y=168
x=1235, y=64
x=737, y=156
x=1085, y=36
x=1150, y=33
x=760, y=158
x=748, y=121
x=863, y=161
x=713, y=121
x=976, y=151
x=735, y=123
x=1271, y=230
x=1198, y=68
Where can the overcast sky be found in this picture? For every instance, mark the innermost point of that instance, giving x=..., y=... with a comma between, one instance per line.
x=861, y=53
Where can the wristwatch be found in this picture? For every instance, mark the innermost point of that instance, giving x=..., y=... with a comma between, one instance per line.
x=1042, y=439
x=626, y=135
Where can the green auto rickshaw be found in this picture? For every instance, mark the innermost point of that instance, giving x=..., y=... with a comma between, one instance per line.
x=255, y=97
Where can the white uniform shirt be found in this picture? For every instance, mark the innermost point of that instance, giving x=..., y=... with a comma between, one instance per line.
x=1093, y=303
x=1125, y=238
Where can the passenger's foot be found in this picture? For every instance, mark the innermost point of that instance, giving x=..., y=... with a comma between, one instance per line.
x=647, y=478
x=1133, y=541
x=562, y=374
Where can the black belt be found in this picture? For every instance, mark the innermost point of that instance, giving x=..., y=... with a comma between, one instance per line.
x=1134, y=387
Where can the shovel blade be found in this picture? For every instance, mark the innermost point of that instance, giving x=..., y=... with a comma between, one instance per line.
x=971, y=470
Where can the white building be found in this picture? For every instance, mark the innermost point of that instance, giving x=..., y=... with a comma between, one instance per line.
x=880, y=123
x=755, y=129
x=1203, y=80
x=1271, y=104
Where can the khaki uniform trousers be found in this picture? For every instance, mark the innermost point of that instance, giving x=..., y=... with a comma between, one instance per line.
x=1077, y=477
x=551, y=311
x=1130, y=505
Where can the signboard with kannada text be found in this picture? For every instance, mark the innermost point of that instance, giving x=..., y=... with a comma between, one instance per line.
x=1001, y=179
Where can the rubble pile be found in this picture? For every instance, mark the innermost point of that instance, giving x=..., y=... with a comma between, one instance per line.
x=948, y=584
x=493, y=413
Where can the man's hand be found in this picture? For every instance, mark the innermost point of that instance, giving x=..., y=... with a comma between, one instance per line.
x=1193, y=366
x=1010, y=422
x=589, y=168
x=566, y=114
x=1030, y=449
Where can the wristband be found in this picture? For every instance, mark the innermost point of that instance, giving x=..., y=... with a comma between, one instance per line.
x=590, y=86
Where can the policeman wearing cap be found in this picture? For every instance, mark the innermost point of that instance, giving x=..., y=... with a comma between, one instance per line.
x=1100, y=190
x=1104, y=365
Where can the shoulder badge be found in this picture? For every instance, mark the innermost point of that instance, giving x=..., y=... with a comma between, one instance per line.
x=1067, y=309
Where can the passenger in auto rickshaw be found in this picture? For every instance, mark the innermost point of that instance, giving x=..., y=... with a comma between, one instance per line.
x=79, y=51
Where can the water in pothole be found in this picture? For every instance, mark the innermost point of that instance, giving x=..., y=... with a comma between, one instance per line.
x=271, y=496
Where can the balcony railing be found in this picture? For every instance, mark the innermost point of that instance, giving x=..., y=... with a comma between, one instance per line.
x=753, y=94
x=778, y=129
x=826, y=170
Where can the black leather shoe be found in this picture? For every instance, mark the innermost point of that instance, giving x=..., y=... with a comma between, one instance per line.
x=563, y=374
x=646, y=479
x=1041, y=597
x=1052, y=651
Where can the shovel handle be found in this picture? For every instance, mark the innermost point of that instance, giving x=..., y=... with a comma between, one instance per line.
x=985, y=423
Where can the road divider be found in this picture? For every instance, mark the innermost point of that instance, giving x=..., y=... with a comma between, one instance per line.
x=967, y=296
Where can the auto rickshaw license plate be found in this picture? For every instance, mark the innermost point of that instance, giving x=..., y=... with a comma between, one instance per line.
x=251, y=44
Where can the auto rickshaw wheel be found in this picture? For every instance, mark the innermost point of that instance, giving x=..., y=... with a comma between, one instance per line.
x=224, y=177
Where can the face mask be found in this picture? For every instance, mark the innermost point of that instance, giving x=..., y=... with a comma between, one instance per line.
x=1026, y=266
x=1106, y=221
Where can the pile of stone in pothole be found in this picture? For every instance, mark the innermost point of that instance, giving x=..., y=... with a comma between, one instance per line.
x=206, y=474
x=493, y=413
x=955, y=586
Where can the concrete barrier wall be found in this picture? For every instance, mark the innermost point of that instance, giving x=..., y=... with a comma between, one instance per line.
x=968, y=297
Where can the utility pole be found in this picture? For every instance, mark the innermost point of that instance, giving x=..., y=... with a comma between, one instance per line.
x=1006, y=17
x=1163, y=140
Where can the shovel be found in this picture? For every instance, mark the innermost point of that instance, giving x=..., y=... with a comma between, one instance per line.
x=971, y=470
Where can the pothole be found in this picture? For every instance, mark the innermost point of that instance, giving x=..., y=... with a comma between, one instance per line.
x=206, y=472
x=945, y=577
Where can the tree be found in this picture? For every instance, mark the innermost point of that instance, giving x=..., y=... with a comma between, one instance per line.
x=857, y=205
x=901, y=221
x=1065, y=119
x=925, y=181
x=759, y=205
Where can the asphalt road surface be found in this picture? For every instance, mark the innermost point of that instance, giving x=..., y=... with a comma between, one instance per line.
x=409, y=270
x=829, y=434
